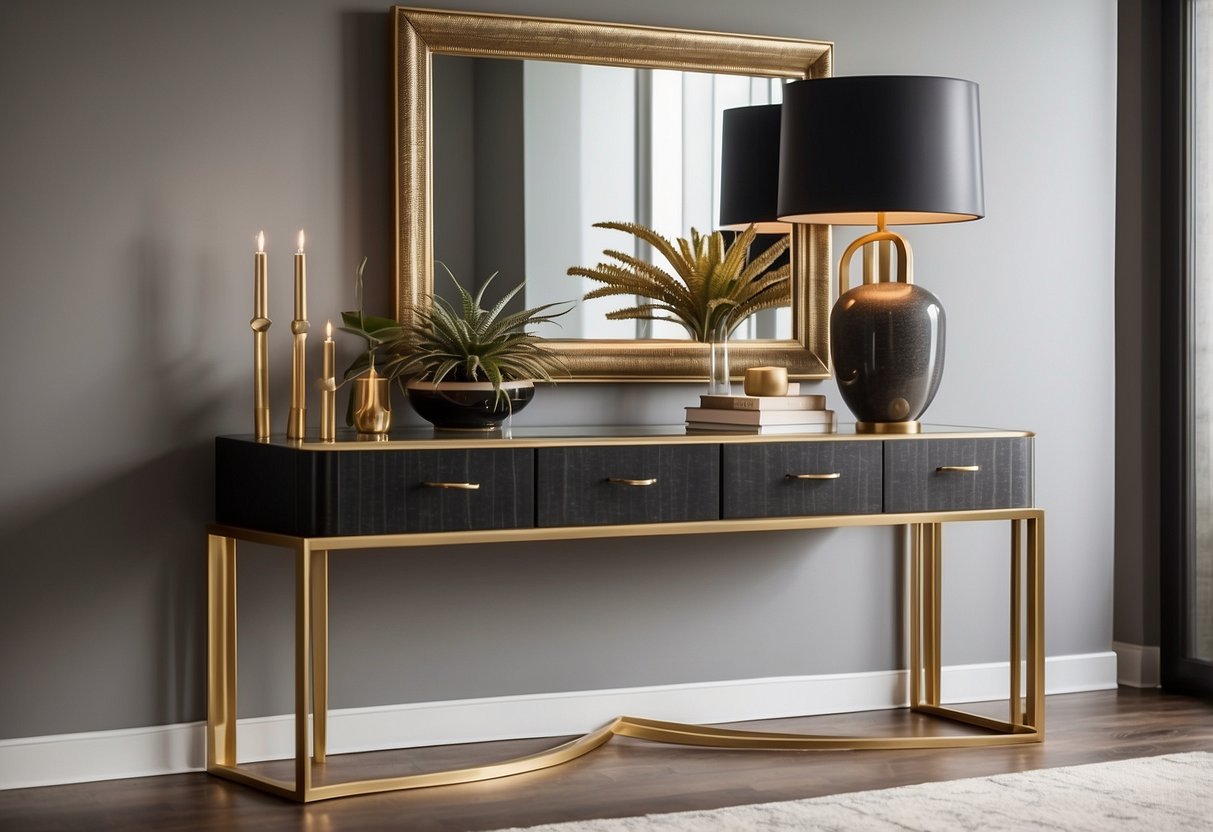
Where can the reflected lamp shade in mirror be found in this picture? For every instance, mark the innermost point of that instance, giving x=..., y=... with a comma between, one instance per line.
x=749, y=169
x=882, y=150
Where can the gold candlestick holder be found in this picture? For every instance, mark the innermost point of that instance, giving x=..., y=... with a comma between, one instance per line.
x=296, y=424
x=328, y=389
x=261, y=378
x=260, y=324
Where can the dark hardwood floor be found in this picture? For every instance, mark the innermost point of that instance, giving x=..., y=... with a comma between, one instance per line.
x=625, y=777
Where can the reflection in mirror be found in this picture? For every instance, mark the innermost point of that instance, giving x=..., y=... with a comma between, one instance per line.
x=528, y=155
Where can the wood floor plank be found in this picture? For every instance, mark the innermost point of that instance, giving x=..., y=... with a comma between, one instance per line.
x=625, y=777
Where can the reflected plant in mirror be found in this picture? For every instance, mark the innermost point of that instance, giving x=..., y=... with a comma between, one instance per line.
x=713, y=289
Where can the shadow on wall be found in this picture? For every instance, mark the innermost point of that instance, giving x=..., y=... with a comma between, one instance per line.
x=104, y=589
x=366, y=177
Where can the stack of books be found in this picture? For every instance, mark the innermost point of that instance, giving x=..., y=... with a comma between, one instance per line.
x=792, y=413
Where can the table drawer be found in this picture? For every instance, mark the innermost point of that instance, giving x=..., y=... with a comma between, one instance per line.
x=327, y=493
x=588, y=486
x=957, y=474
x=802, y=478
x=388, y=492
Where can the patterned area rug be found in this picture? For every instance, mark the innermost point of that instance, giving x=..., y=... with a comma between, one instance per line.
x=1172, y=793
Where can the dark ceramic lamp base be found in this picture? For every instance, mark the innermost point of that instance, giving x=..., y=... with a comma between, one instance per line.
x=886, y=344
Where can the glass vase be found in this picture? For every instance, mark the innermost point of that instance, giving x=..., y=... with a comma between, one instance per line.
x=719, y=383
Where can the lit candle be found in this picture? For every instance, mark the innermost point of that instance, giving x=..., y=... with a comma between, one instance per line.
x=260, y=290
x=300, y=282
x=328, y=388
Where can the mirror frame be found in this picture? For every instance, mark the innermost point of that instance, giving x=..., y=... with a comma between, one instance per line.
x=418, y=34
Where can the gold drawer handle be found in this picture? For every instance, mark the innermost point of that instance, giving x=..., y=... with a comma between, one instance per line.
x=460, y=486
x=832, y=476
x=944, y=469
x=626, y=481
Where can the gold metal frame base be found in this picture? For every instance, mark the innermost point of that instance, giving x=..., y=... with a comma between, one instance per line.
x=1026, y=641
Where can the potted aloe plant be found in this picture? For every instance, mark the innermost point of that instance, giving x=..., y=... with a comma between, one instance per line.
x=471, y=367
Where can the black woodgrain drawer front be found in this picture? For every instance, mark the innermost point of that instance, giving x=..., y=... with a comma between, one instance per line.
x=387, y=492
x=590, y=486
x=802, y=478
x=957, y=474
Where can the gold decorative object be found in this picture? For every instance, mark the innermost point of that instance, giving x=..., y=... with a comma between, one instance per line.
x=372, y=402
x=419, y=34
x=328, y=388
x=260, y=325
x=296, y=424
x=766, y=381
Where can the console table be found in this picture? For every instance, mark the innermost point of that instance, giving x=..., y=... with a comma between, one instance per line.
x=419, y=487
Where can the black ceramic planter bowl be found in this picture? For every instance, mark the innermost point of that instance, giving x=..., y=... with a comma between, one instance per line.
x=468, y=405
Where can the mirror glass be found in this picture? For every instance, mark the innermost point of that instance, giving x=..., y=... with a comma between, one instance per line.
x=528, y=155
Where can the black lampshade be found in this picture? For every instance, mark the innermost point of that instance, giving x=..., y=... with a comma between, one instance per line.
x=905, y=146
x=749, y=169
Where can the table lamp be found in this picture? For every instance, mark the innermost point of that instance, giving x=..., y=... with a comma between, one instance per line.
x=882, y=150
x=749, y=169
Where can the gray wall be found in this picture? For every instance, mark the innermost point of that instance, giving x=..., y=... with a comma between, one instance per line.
x=145, y=143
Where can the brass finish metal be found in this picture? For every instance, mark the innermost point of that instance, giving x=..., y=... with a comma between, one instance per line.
x=328, y=387
x=320, y=653
x=882, y=428
x=303, y=667
x=452, y=440
x=880, y=239
x=260, y=324
x=831, y=476
x=296, y=425
x=462, y=486
x=221, y=652
x=945, y=469
x=626, y=481
x=1016, y=621
x=418, y=34
x=311, y=649
x=372, y=403
x=766, y=381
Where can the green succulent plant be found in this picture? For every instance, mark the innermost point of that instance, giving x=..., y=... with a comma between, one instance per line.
x=472, y=343
x=375, y=331
x=713, y=289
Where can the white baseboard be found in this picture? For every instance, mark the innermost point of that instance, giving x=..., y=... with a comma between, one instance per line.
x=1136, y=665
x=170, y=749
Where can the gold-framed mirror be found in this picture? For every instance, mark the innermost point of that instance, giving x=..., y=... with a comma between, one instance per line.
x=421, y=34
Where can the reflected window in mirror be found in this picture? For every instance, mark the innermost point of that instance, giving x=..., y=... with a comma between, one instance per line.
x=528, y=155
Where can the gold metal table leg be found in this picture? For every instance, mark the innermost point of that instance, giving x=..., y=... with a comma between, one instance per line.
x=311, y=667
x=1016, y=616
x=303, y=657
x=1035, y=716
x=221, y=652
x=932, y=586
x=320, y=654
x=917, y=533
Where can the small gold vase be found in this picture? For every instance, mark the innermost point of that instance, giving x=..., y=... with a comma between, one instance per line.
x=372, y=403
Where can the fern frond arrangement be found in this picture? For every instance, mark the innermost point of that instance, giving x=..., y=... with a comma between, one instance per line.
x=713, y=289
x=473, y=343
